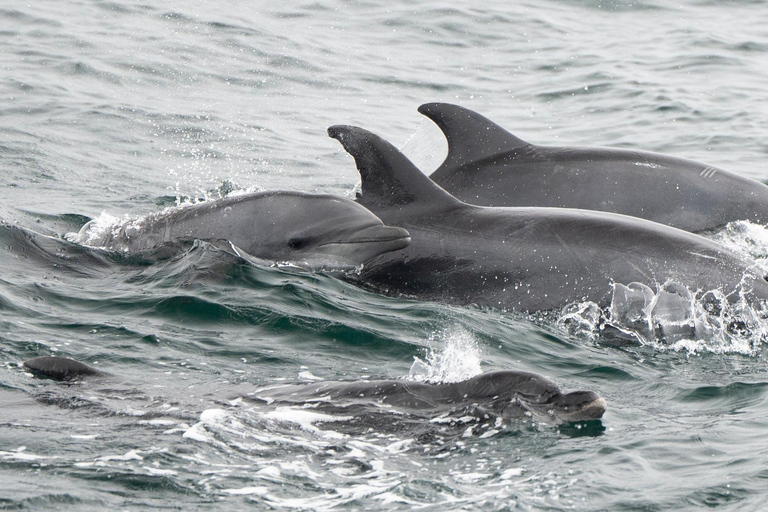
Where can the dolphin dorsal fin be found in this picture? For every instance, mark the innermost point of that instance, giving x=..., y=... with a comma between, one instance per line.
x=389, y=179
x=471, y=137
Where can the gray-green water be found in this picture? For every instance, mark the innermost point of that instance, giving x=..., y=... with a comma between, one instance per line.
x=121, y=107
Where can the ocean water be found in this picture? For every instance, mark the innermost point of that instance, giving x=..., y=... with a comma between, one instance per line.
x=121, y=108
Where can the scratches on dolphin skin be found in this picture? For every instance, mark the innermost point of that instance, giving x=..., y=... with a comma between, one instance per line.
x=708, y=172
x=707, y=256
x=567, y=248
x=647, y=276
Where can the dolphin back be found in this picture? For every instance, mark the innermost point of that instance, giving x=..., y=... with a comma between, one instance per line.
x=60, y=368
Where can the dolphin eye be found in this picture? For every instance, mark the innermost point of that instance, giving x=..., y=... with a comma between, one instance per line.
x=296, y=242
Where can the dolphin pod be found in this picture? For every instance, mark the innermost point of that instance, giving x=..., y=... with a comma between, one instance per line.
x=524, y=258
x=486, y=165
x=307, y=229
x=507, y=394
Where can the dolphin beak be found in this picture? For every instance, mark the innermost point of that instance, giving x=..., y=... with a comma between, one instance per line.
x=567, y=408
x=380, y=234
x=580, y=406
x=363, y=244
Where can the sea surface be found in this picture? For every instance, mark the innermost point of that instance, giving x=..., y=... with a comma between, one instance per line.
x=115, y=109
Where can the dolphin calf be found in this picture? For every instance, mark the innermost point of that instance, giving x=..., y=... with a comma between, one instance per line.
x=307, y=229
x=505, y=394
x=526, y=258
x=486, y=165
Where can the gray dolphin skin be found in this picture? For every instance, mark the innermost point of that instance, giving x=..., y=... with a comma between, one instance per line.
x=60, y=368
x=486, y=165
x=509, y=394
x=529, y=258
x=308, y=229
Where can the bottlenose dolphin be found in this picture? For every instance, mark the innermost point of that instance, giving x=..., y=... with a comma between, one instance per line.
x=486, y=165
x=508, y=394
x=307, y=229
x=528, y=258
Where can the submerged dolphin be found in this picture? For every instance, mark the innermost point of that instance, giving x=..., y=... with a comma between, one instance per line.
x=308, y=229
x=508, y=394
x=486, y=165
x=527, y=259
x=60, y=368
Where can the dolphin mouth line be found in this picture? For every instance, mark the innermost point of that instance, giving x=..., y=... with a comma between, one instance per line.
x=370, y=235
x=592, y=410
x=370, y=241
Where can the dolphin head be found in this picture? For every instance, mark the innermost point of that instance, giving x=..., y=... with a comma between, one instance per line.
x=552, y=406
x=319, y=231
x=514, y=394
x=573, y=406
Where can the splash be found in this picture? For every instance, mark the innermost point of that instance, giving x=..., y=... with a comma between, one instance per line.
x=676, y=318
x=109, y=227
x=747, y=238
x=453, y=355
x=96, y=229
x=672, y=317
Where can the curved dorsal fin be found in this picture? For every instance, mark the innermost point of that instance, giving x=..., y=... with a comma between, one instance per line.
x=389, y=179
x=471, y=137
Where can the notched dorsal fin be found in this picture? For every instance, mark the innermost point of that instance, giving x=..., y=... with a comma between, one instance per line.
x=471, y=137
x=389, y=179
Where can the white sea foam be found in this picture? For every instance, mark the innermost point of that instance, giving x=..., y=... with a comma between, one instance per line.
x=245, y=491
x=130, y=455
x=21, y=454
x=306, y=420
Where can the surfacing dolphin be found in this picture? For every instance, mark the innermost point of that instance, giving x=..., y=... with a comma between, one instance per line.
x=506, y=394
x=281, y=226
x=526, y=259
x=486, y=165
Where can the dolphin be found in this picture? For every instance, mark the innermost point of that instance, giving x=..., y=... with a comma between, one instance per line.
x=281, y=226
x=525, y=258
x=486, y=165
x=61, y=368
x=506, y=394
